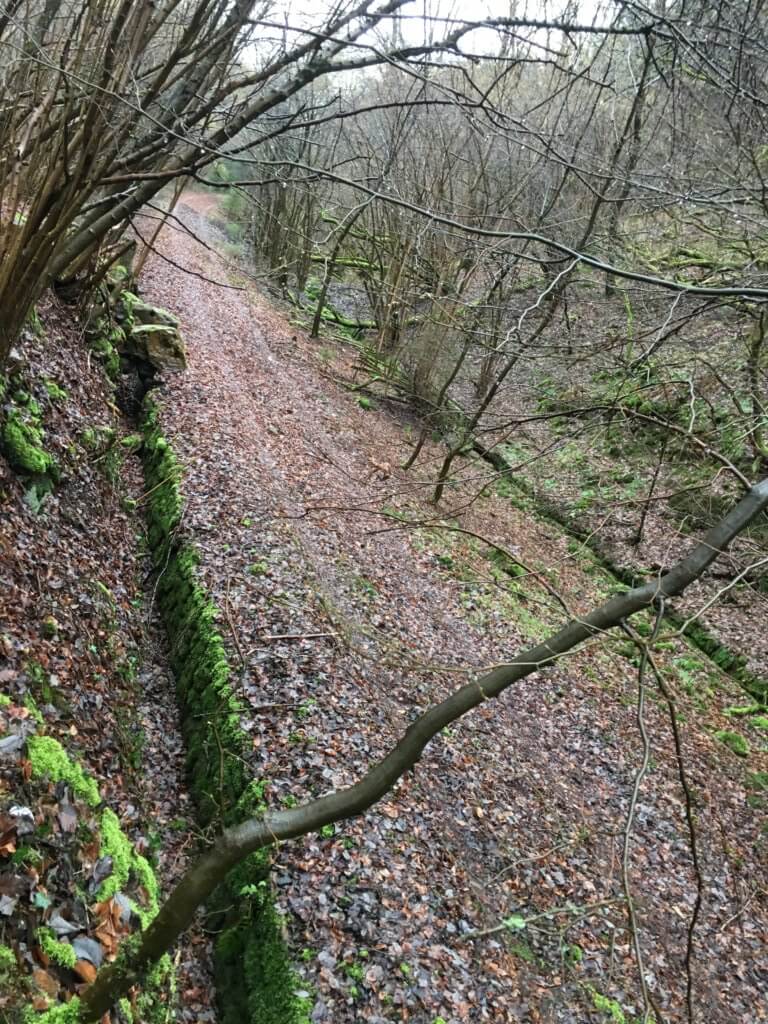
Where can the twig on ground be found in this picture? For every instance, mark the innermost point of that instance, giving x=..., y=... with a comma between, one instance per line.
x=742, y=908
x=296, y=636
x=274, y=704
x=690, y=818
x=232, y=627
x=530, y=860
x=579, y=912
x=146, y=494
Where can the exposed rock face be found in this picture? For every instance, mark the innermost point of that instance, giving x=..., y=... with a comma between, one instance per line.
x=135, y=330
x=152, y=334
x=160, y=345
x=142, y=313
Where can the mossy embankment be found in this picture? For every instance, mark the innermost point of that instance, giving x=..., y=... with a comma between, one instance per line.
x=22, y=434
x=255, y=981
x=82, y=848
x=61, y=942
x=517, y=489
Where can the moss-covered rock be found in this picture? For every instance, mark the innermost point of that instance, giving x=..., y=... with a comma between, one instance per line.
x=253, y=973
x=158, y=344
x=125, y=325
x=22, y=443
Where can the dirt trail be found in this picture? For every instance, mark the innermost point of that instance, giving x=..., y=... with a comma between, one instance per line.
x=345, y=632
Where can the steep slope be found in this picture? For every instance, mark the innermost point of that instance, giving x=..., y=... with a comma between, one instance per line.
x=92, y=798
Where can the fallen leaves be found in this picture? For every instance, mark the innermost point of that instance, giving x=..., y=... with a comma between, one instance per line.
x=111, y=926
x=512, y=813
x=7, y=835
x=42, y=895
x=46, y=982
x=85, y=970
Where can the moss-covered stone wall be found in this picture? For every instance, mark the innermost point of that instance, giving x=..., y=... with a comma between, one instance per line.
x=255, y=981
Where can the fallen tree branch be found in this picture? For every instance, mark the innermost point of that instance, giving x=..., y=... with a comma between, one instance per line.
x=634, y=928
x=519, y=923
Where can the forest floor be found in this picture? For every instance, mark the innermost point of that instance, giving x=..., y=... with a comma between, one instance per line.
x=82, y=661
x=346, y=623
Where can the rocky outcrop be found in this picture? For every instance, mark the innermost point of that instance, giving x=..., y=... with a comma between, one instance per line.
x=135, y=331
x=152, y=334
x=160, y=345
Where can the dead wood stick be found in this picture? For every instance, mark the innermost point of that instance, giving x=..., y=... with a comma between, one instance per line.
x=232, y=627
x=295, y=636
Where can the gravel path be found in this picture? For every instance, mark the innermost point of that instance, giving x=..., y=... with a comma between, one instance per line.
x=346, y=627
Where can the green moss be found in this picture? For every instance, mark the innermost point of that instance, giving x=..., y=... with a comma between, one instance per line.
x=5, y=700
x=60, y=952
x=7, y=960
x=68, y=1014
x=34, y=323
x=114, y=844
x=125, y=862
x=152, y=1005
x=254, y=978
x=27, y=855
x=49, y=759
x=55, y=393
x=98, y=438
x=49, y=627
x=251, y=802
x=109, y=355
x=608, y=1006
x=742, y=709
x=22, y=441
x=160, y=971
x=252, y=969
x=734, y=741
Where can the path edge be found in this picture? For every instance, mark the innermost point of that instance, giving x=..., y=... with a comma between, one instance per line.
x=255, y=980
